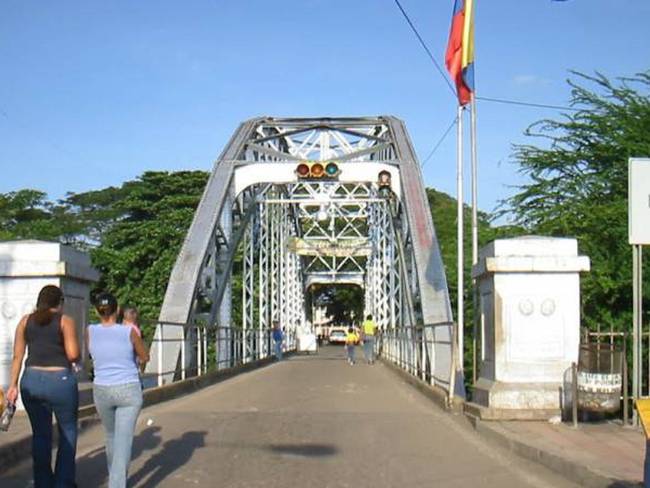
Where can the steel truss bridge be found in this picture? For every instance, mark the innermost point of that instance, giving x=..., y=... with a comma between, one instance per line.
x=294, y=202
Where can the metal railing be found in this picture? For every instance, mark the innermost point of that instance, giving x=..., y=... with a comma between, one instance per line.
x=411, y=348
x=610, y=343
x=207, y=348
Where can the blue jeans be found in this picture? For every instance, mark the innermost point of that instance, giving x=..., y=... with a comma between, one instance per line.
x=278, y=350
x=369, y=348
x=44, y=393
x=118, y=407
x=350, y=350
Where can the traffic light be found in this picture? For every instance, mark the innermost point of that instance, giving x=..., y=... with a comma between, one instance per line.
x=384, y=183
x=317, y=170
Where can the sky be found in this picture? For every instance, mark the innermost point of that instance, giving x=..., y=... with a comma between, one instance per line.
x=94, y=93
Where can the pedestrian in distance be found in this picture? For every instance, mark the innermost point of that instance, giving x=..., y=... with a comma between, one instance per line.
x=116, y=388
x=278, y=339
x=48, y=386
x=369, y=329
x=351, y=339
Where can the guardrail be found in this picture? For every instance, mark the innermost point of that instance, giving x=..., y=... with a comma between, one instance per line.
x=205, y=348
x=411, y=347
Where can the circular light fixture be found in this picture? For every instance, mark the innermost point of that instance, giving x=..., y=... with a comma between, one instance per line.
x=332, y=169
x=302, y=170
x=383, y=178
x=317, y=170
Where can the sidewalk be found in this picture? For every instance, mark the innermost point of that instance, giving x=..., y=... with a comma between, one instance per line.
x=602, y=454
x=598, y=454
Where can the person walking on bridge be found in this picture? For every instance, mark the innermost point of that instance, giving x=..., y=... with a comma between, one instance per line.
x=278, y=339
x=351, y=340
x=116, y=389
x=369, y=331
x=48, y=386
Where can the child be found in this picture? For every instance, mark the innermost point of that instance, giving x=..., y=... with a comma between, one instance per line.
x=351, y=340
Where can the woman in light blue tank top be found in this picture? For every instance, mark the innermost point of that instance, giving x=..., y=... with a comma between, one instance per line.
x=116, y=387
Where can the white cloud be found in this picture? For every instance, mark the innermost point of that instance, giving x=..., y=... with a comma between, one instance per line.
x=525, y=79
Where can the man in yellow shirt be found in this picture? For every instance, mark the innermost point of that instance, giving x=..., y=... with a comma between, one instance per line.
x=369, y=331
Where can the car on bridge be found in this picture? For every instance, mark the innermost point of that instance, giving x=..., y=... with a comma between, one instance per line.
x=337, y=336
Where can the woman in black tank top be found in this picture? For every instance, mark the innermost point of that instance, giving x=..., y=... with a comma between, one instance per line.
x=48, y=386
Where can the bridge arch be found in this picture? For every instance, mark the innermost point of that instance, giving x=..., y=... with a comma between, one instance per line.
x=273, y=229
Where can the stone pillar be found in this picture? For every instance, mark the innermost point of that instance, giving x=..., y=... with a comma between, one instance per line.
x=529, y=291
x=25, y=268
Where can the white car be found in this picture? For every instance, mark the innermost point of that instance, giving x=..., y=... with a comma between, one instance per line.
x=337, y=336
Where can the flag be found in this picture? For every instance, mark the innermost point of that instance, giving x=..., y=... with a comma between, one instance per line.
x=459, y=57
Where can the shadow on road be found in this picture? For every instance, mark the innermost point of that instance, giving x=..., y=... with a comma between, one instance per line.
x=304, y=450
x=92, y=466
x=174, y=454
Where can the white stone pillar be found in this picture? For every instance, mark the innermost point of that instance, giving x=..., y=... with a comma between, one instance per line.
x=530, y=317
x=25, y=268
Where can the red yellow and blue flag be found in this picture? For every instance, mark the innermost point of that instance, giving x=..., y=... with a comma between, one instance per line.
x=459, y=57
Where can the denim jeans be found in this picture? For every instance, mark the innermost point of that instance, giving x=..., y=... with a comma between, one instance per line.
x=43, y=393
x=369, y=348
x=350, y=350
x=278, y=350
x=118, y=407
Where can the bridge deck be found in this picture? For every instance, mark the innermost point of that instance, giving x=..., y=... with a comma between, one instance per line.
x=310, y=421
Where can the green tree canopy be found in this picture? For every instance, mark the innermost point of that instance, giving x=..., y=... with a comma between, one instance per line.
x=578, y=184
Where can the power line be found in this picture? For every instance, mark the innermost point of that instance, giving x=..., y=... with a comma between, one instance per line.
x=526, y=104
x=435, y=148
x=426, y=48
x=485, y=99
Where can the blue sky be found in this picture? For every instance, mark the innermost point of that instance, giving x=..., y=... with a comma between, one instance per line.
x=94, y=93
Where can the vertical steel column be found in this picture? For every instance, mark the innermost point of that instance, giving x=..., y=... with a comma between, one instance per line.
x=263, y=273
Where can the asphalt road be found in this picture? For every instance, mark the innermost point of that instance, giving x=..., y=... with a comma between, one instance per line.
x=309, y=421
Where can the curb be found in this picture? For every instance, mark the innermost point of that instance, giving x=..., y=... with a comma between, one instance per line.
x=20, y=449
x=572, y=471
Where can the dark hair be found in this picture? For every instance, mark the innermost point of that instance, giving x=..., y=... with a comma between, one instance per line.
x=49, y=297
x=369, y=317
x=105, y=304
x=350, y=330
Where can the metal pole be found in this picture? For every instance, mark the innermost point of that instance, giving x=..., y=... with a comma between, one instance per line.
x=626, y=414
x=474, y=178
x=636, y=315
x=459, y=196
x=183, y=365
x=160, y=358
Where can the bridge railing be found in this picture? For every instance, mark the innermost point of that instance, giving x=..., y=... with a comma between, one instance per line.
x=410, y=348
x=206, y=348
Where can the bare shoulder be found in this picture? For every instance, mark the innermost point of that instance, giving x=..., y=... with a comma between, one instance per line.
x=67, y=320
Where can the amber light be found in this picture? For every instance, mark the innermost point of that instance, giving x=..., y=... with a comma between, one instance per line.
x=317, y=170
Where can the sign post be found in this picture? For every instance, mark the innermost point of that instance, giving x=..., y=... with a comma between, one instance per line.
x=639, y=235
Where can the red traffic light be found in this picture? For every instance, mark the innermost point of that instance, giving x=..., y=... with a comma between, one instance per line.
x=302, y=170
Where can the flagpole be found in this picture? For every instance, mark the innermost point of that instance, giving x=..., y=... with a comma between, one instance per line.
x=459, y=196
x=474, y=178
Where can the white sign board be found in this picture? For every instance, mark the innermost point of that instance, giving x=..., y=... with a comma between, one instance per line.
x=639, y=201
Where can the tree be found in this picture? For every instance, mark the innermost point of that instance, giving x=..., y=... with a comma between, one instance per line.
x=578, y=185
x=145, y=222
x=27, y=214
